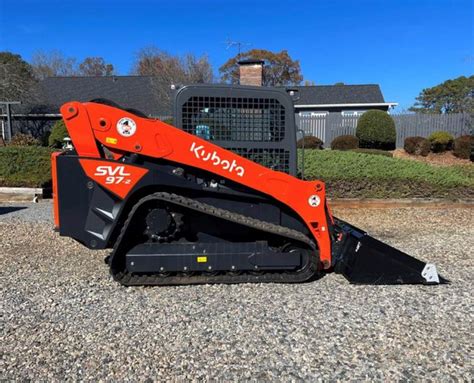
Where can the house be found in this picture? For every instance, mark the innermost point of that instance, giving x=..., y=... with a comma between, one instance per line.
x=349, y=100
x=319, y=100
x=323, y=111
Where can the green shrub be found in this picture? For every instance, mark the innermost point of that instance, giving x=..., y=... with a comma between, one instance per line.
x=347, y=142
x=464, y=147
x=376, y=130
x=58, y=133
x=21, y=139
x=25, y=166
x=417, y=145
x=310, y=142
x=441, y=141
x=376, y=152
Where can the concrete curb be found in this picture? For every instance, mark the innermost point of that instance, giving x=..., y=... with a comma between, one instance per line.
x=14, y=194
x=34, y=194
x=374, y=203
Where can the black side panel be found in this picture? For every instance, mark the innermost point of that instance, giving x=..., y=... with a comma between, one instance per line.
x=186, y=257
x=87, y=212
x=73, y=198
x=93, y=216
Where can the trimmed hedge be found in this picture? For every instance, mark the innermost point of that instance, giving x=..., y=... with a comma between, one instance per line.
x=58, y=133
x=310, y=142
x=358, y=175
x=464, y=147
x=376, y=130
x=441, y=141
x=417, y=145
x=346, y=142
x=25, y=166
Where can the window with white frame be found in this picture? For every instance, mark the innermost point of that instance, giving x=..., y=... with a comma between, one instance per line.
x=313, y=114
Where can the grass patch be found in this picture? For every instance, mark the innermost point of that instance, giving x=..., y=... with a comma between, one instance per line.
x=350, y=174
x=376, y=152
x=25, y=166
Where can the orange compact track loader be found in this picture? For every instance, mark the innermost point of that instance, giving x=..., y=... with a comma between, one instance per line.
x=213, y=199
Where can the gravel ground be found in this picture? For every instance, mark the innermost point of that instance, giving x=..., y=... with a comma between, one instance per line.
x=63, y=317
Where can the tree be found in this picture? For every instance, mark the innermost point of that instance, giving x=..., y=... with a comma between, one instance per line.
x=452, y=96
x=198, y=69
x=16, y=78
x=167, y=69
x=152, y=61
x=95, y=66
x=52, y=64
x=280, y=69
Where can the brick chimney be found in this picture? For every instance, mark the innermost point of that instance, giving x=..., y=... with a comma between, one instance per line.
x=251, y=72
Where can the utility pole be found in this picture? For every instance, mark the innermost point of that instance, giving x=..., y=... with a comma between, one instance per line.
x=7, y=134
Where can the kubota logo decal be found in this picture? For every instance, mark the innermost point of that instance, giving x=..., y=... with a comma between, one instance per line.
x=113, y=174
x=202, y=154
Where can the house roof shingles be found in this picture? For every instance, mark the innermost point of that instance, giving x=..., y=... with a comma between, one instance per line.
x=339, y=94
x=128, y=91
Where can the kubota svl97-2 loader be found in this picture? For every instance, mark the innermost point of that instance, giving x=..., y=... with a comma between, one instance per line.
x=213, y=200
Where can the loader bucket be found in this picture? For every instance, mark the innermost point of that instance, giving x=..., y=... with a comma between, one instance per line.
x=363, y=259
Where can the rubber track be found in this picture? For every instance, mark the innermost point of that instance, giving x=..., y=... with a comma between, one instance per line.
x=129, y=279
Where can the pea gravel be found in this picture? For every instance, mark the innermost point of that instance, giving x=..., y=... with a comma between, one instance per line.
x=63, y=318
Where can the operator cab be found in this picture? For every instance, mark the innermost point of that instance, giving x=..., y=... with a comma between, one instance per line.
x=257, y=123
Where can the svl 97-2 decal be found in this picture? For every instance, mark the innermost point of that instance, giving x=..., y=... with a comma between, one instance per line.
x=113, y=174
x=118, y=178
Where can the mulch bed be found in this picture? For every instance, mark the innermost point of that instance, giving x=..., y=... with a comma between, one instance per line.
x=440, y=159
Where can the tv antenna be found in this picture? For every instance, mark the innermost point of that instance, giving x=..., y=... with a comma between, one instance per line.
x=239, y=44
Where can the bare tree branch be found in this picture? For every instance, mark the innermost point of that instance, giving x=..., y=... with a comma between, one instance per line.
x=95, y=66
x=52, y=64
x=167, y=69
